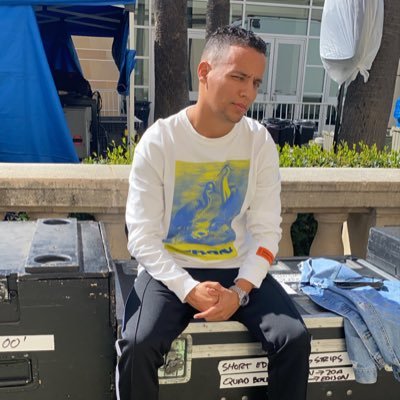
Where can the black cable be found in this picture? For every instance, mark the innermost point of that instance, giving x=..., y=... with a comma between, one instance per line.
x=99, y=105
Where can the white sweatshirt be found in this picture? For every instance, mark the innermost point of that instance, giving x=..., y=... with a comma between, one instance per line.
x=196, y=202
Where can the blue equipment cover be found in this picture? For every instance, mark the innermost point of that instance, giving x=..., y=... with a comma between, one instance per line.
x=65, y=2
x=32, y=123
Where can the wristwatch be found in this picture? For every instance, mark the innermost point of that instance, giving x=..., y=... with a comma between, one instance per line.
x=243, y=295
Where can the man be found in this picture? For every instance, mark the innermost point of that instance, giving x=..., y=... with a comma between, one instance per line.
x=203, y=215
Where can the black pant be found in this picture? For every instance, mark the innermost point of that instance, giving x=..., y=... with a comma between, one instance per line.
x=154, y=317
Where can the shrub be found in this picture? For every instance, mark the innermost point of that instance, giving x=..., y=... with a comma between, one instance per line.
x=314, y=156
x=115, y=154
x=304, y=156
x=16, y=216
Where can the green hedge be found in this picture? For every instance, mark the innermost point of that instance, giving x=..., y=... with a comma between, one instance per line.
x=304, y=156
x=315, y=156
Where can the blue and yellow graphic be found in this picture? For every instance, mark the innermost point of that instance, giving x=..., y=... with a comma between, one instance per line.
x=207, y=197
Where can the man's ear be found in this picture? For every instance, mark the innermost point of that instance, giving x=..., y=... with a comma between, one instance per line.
x=202, y=71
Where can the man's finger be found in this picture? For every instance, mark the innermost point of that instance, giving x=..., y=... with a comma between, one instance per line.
x=213, y=292
x=214, y=285
x=205, y=314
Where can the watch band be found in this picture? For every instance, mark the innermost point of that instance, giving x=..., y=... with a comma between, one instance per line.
x=243, y=295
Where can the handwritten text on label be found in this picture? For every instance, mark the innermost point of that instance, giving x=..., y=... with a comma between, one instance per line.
x=243, y=365
x=243, y=380
x=26, y=343
x=331, y=374
x=259, y=364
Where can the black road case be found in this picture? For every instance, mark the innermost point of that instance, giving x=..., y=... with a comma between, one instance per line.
x=57, y=325
x=221, y=360
x=383, y=248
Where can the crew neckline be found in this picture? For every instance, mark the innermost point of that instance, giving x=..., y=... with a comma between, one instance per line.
x=198, y=136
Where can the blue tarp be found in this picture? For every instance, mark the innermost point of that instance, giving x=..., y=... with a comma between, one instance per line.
x=124, y=58
x=65, y=2
x=32, y=122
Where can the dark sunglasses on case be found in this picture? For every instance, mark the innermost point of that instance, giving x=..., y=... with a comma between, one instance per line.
x=361, y=282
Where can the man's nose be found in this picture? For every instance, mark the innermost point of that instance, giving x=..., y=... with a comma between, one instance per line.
x=247, y=90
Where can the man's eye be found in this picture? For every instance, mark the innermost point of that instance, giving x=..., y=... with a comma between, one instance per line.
x=237, y=77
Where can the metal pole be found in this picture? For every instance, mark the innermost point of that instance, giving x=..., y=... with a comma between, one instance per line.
x=131, y=97
x=338, y=122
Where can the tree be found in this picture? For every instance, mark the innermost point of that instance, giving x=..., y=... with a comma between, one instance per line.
x=367, y=106
x=217, y=15
x=170, y=57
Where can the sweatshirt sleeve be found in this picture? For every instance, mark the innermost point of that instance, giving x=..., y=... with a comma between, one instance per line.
x=263, y=216
x=144, y=215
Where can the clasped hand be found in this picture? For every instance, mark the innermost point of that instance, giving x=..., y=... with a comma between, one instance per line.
x=215, y=302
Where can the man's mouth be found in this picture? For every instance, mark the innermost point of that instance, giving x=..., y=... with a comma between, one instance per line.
x=241, y=107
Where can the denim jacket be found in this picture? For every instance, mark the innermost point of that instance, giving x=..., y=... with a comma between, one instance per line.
x=371, y=316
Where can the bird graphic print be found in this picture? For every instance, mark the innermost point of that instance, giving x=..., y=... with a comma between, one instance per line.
x=207, y=197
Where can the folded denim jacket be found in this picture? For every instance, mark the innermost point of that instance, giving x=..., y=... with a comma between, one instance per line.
x=371, y=316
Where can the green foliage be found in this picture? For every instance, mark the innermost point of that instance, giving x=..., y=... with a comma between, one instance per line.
x=362, y=157
x=115, y=154
x=16, y=216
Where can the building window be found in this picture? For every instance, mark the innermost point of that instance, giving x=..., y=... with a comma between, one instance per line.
x=315, y=25
x=196, y=46
x=291, y=2
x=141, y=94
x=318, y=3
x=142, y=13
x=314, y=80
x=197, y=13
x=277, y=20
x=236, y=14
x=142, y=72
x=313, y=57
x=142, y=42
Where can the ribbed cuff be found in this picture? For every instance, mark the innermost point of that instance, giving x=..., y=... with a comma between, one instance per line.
x=253, y=273
x=182, y=287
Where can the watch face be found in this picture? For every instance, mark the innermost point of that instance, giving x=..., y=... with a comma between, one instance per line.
x=244, y=300
x=243, y=296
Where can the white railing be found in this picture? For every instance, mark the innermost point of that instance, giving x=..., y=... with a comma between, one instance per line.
x=112, y=103
x=322, y=114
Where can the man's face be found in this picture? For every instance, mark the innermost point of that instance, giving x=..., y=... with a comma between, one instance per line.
x=232, y=83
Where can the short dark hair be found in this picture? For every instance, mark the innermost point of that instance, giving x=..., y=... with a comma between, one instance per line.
x=233, y=36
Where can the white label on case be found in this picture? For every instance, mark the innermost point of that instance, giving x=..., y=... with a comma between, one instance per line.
x=26, y=343
x=261, y=378
x=244, y=372
x=331, y=374
x=243, y=365
x=318, y=360
x=243, y=380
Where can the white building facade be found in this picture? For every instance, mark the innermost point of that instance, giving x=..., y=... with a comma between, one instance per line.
x=295, y=85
